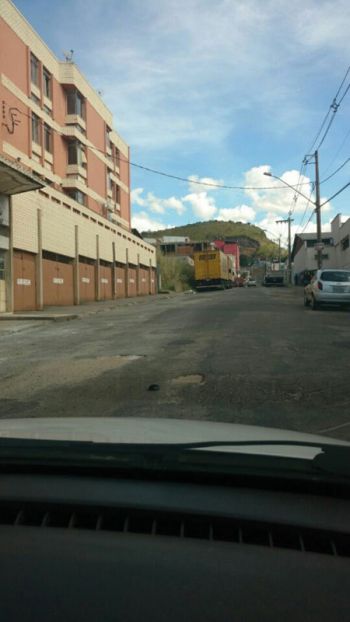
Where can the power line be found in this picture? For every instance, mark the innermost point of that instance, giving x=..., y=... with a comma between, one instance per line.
x=311, y=215
x=170, y=175
x=342, y=82
x=306, y=206
x=338, y=151
x=345, y=93
x=299, y=184
x=336, y=171
x=333, y=109
x=336, y=194
x=319, y=132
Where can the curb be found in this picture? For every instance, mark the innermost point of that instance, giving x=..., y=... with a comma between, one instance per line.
x=85, y=311
x=27, y=318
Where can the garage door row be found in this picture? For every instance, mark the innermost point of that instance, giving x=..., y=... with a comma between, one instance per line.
x=58, y=281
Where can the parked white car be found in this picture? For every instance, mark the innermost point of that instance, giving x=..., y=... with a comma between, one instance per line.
x=328, y=287
x=251, y=282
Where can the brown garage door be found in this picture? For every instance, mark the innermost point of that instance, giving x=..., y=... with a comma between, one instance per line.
x=153, y=281
x=106, y=282
x=87, y=282
x=132, y=282
x=58, y=283
x=120, y=281
x=144, y=281
x=24, y=281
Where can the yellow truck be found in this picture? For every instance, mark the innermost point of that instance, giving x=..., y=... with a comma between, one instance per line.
x=213, y=269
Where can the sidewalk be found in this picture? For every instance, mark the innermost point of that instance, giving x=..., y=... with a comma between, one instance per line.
x=66, y=313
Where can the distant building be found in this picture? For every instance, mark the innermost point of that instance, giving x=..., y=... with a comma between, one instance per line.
x=341, y=236
x=304, y=253
x=174, y=239
x=335, y=253
x=183, y=248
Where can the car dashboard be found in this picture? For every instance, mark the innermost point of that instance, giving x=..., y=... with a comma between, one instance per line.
x=92, y=547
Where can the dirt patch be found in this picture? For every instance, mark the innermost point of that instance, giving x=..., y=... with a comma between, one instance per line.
x=61, y=372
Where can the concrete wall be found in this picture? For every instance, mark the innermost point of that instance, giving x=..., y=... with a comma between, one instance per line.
x=59, y=217
x=340, y=232
x=2, y=296
x=306, y=259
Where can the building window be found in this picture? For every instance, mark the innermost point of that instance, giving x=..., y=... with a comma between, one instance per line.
x=108, y=140
x=47, y=84
x=117, y=157
x=47, y=138
x=76, y=153
x=35, y=129
x=47, y=110
x=2, y=265
x=75, y=103
x=35, y=99
x=77, y=195
x=117, y=194
x=325, y=241
x=345, y=243
x=34, y=69
x=109, y=183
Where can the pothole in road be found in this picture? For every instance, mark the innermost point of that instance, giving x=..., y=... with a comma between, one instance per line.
x=194, y=379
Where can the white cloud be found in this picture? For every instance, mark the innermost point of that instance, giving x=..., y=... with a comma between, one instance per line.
x=156, y=204
x=242, y=213
x=202, y=205
x=202, y=187
x=278, y=199
x=162, y=54
x=175, y=204
x=143, y=222
x=136, y=197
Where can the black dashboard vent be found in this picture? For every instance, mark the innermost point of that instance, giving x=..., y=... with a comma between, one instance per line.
x=156, y=523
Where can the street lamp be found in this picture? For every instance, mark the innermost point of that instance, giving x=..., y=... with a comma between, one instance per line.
x=289, y=186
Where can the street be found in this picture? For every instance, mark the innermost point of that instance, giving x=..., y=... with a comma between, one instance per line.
x=252, y=356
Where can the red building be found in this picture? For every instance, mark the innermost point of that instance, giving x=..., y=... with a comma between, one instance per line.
x=229, y=248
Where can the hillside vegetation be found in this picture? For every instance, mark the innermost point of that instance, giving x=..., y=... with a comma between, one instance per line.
x=252, y=240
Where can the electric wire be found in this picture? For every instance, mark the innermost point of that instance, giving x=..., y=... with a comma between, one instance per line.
x=169, y=175
x=335, y=172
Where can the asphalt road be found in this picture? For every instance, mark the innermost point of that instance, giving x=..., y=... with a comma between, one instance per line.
x=253, y=356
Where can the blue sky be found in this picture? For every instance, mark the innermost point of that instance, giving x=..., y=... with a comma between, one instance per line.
x=221, y=91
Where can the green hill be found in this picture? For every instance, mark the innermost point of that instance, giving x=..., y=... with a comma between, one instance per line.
x=251, y=239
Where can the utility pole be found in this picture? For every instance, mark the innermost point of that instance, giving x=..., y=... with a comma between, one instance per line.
x=318, y=213
x=288, y=220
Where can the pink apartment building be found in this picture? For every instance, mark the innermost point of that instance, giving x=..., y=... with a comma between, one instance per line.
x=69, y=240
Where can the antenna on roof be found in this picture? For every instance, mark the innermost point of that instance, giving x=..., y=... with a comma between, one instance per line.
x=68, y=56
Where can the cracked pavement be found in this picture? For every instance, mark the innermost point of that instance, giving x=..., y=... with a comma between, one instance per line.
x=253, y=356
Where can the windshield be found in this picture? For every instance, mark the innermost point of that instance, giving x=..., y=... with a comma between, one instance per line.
x=340, y=276
x=178, y=154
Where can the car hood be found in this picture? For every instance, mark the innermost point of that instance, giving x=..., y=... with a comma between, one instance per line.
x=146, y=430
